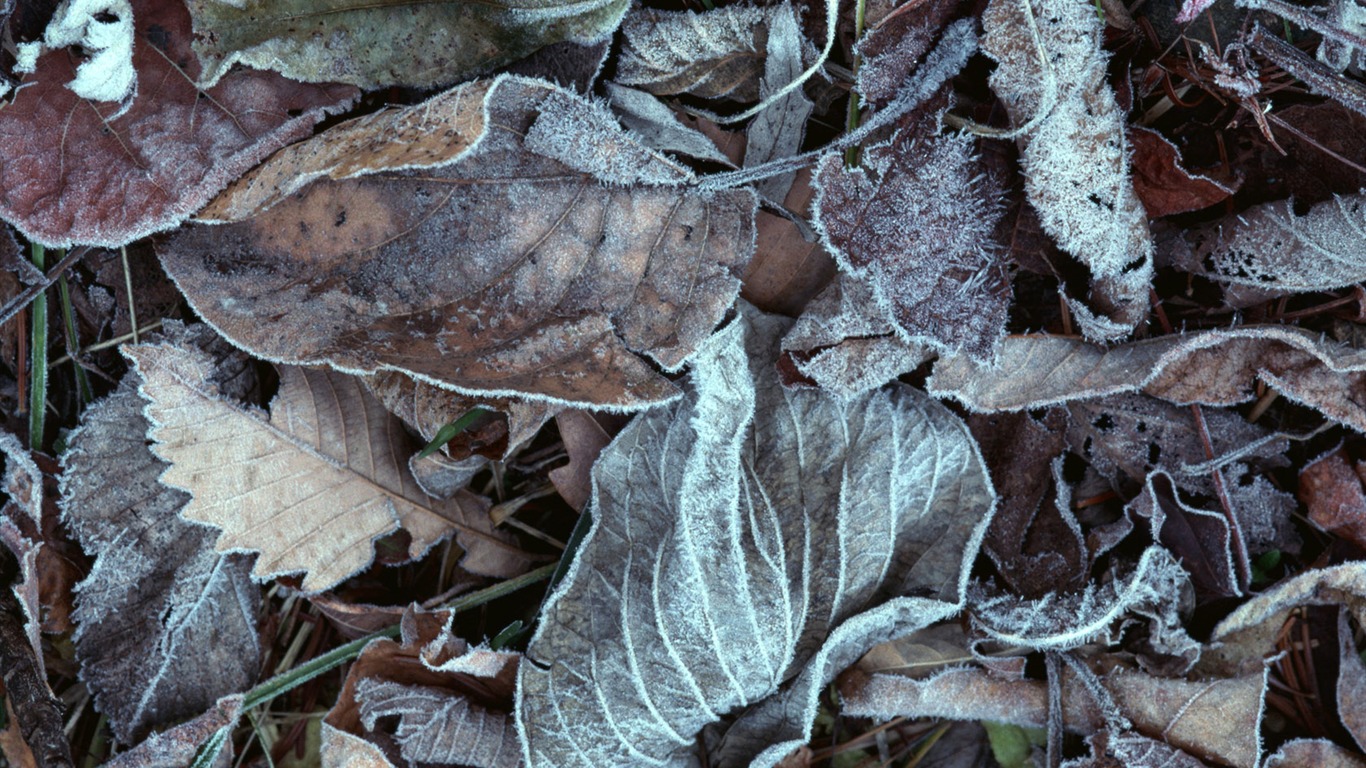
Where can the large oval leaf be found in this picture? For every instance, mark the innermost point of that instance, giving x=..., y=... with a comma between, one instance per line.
x=734, y=533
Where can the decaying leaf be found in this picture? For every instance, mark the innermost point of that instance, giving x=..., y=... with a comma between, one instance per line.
x=376, y=45
x=915, y=221
x=738, y=539
x=487, y=269
x=1320, y=753
x=845, y=341
x=790, y=266
x=437, y=726
x=313, y=485
x=584, y=440
x=717, y=54
x=1208, y=367
x=1271, y=248
x=895, y=47
x=177, y=747
x=165, y=625
x=76, y=170
x=1075, y=156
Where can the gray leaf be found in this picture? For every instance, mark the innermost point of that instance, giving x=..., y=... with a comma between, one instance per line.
x=717, y=54
x=777, y=131
x=658, y=126
x=738, y=536
x=165, y=625
x=437, y=726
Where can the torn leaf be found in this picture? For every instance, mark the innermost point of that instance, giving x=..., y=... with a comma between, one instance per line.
x=311, y=486
x=116, y=172
x=165, y=625
x=741, y=535
x=381, y=44
x=486, y=268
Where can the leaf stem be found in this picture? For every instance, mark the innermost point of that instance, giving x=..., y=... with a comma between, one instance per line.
x=851, y=155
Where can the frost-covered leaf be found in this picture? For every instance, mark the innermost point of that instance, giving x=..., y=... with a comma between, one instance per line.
x=896, y=46
x=1217, y=720
x=487, y=269
x=386, y=43
x=845, y=341
x=177, y=747
x=1272, y=248
x=1351, y=687
x=737, y=537
x=1074, y=154
x=1060, y=621
x=313, y=485
x=777, y=131
x=1203, y=540
x=717, y=54
x=1320, y=753
x=1343, y=584
x=1208, y=367
x=659, y=127
x=165, y=625
x=915, y=222
x=437, y=726
x=110, y=172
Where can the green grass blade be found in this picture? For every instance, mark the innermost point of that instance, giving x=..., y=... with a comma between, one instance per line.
x=73, y=346
x=37, y=395
x=448, y=432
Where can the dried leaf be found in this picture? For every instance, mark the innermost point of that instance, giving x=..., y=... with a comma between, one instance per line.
x=1061, y=621
x=436, y=726
x=1271, y=248
x=659, y=127
x=1331, y=487
x=117, y=172
x=1320, y=753
x=1343, y=584
x=1208, y=368
x=790, y=266
x=1201, y=539
x=896, y=46
x=1162, y=184
x=312, y=486
x=584, y=439
x=739, y=534
x=717, y=54
x=177, y=747
x=489, y=270
x=1074, y=154
x=915, y=221
x=1351, y=683
x=376, y=45
x=165, y=625
x=845, y=341
x=777, y=131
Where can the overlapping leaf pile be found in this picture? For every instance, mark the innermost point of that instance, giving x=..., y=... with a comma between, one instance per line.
x=906, y=362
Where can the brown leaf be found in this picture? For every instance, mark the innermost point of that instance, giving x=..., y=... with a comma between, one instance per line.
x=1331, y=487
x=177, y=747
x=1320, y=753
x=789, y=266
x=915, y=222
x=1351, y=683
x=584, y=438
x=492, y=271
x=1034, y=539
x=845, y=342
x=1207, y=367
x=1162, y=184
x=896, y=45
x=719, y=54
x=165, y=625
x=311, y=487
x=113, y=173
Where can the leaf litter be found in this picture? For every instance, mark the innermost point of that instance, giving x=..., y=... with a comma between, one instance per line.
x=1088, y=305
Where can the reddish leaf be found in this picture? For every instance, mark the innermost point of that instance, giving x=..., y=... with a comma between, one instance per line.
x=1162, y=184
x=105, y=173
x=1331, y=487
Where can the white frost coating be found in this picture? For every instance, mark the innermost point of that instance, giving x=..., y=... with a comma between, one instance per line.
x=1062, y=622
x=658, y=126
x=26, y=57
x=104, y=28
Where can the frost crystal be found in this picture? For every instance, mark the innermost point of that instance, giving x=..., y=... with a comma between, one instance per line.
x=104, y=29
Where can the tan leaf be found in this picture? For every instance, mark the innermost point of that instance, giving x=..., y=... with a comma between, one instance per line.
x=311, y=486
x=177, y=747
x=584, y=438
x=1208, y=367
x=542, y=254
x=1074, y=154
x=1320, y=753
